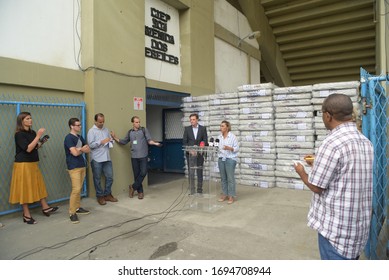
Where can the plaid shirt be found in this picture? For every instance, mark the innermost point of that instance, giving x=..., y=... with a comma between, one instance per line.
x=344, y=169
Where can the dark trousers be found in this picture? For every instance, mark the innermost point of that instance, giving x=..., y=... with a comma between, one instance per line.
x=195, y=163
x=139, y=168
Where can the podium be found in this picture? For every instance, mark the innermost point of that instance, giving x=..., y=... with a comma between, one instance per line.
x=201, y=163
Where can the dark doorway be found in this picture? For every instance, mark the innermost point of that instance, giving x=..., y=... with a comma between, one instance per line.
x=173, y=155
x=164, y=120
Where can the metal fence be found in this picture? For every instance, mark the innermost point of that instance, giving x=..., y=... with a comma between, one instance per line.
x=375, y=127
x=52, y=114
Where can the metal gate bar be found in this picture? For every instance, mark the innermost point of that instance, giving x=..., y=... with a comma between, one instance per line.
x=54, y=117
x=375, y=127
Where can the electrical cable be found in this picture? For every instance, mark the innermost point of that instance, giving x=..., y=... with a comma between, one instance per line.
x=138, y=230
x=77, y=58
x=167, y=211
x=75, y=22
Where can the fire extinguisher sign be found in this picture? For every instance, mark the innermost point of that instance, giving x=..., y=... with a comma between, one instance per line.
x=138, y=103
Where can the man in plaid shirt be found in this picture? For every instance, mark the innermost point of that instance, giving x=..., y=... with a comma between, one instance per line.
x=342, y=183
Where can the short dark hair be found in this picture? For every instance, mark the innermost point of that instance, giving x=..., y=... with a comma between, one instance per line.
x=72, y=121
x=194, y=115
x=134, y=117
x=98, y=115
x=339, y=106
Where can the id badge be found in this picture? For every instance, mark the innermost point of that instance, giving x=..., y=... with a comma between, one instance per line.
x=135, y=142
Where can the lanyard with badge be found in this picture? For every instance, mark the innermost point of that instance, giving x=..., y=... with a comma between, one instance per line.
x=135, y=141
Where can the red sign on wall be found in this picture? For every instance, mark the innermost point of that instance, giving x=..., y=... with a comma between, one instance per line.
x=138, y=103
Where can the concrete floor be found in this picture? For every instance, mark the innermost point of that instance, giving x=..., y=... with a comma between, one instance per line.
x=263, y=224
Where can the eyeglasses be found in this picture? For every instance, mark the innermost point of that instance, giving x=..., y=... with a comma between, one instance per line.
x=77, y=125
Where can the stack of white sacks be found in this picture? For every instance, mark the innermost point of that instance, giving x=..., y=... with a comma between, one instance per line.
x=294, y=132
x=199, y=105
x=223, y=107
x=257, y=136
x=275, y=127
x=320, y=92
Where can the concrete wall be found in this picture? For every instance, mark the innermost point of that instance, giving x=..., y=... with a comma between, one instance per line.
x=108, y=69
x=48, y=28
x=236, y=60
x=27, y=78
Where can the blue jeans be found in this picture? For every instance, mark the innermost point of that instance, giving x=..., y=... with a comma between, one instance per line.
x=227, y=174
x=99, y=168
x=139, y=168
x=328, y=252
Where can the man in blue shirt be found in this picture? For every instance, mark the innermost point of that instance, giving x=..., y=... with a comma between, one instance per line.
x=75, y=147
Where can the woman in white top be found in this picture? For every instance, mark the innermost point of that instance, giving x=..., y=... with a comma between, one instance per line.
x=228, y=152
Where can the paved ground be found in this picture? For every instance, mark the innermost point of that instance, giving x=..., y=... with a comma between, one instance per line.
x=169, y=224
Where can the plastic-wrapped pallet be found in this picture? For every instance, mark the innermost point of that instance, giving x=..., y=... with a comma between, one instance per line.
x=291, y=183
x=323, y=90
x=196, y=104
x=253, y=88
x=294, y=132
x=257, y=136
x=223, y=107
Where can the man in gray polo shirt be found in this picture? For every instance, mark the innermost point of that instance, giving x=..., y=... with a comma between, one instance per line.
x=140, y=138
x=100, y=141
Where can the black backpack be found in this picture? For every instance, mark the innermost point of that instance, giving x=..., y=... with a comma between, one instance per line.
x=143, y=130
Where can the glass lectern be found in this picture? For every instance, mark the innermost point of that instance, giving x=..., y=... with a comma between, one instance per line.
x=201, y=164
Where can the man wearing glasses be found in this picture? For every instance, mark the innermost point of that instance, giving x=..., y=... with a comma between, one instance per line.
x=75, y=146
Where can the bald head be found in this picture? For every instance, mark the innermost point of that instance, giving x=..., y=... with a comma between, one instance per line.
x=339, y=106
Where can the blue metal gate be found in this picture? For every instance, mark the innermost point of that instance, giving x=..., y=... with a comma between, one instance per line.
x=173, y=159
x=375, y=127
x=53, y=114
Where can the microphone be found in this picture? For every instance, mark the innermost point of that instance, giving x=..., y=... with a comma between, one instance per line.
x=217, y=142
x=211, y=143
x=202, y=145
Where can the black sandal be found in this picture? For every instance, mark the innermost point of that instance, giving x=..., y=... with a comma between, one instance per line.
x=29, y=220
x=49, y=210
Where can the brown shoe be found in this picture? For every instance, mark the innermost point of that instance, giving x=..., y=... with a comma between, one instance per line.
x=101, y=200
x=131, y=191
x=110, y=198
x=140, y=195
